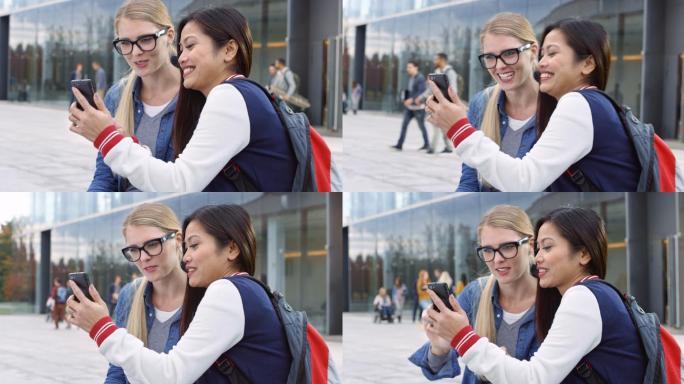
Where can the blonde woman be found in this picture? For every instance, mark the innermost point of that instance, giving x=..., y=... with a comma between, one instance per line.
x=506, y=111
x=144, y=102
x=150, y=307
x=421, y=289
x=500, y=305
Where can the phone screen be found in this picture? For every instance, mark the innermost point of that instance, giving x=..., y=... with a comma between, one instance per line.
x=81, y=279
x=442, y=82
x=85, y=86
x=442, y=290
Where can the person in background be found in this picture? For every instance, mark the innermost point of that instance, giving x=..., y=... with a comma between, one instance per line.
x=285, y=79
x=398, y=296
x=113, y=294
x=357, y=93
x=59, y=294
x=441, y=61
x=100, y=79
x=416, y=87
x=76, y=74
x=460, y=284
x=383, y=306
x=272, y=73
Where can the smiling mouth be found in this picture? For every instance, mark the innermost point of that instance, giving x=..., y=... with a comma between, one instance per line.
x=545, y=76
x=506, y=76
x=188, y=70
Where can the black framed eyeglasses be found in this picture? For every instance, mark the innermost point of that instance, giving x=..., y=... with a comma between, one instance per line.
x=508, y=57
x=152, y=247
x=146, y=43
x=507, y=250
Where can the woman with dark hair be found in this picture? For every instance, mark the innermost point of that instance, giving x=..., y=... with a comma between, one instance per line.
x=224, y=124
x=581, y=322
x=223, y=311
x=581, y=143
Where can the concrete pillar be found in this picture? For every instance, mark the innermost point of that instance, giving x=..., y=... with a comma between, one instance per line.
x=335, y=268
x=43, y=280
x=4, y=57
x=652, y=78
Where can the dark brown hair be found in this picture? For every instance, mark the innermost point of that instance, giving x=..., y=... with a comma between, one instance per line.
x=222, y=25
x=587, y=39
x=584, y=230
x=226, y=223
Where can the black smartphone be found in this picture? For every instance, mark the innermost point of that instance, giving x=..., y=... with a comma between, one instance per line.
x=442, y=82
x=81, y=279
x=85, y=86
x=442, y=290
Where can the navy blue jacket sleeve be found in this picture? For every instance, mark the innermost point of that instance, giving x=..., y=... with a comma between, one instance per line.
x=469, y=181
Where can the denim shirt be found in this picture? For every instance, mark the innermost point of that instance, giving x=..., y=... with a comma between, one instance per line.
x=526, y=346
x=469, y=179
x=104, y=180
x=115, y=374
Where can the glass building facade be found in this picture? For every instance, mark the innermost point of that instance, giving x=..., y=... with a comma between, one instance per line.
x=48, y=38
x=69, y=232
x=442, y=234
x=382, y=36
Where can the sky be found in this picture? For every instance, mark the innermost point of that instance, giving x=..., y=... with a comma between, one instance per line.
x=14, y=204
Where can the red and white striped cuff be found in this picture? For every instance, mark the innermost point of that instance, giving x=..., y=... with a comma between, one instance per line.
x=460, y=131
x=108, y=139
x=464, y=339
x=102, y=329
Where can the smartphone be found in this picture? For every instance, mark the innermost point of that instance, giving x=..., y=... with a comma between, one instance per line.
x=85, y=86
x=442, y=290
x=81, y=279
x=442, y=82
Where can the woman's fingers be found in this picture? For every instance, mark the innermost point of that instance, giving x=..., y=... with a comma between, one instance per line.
x=437, y=301
x=100, y=104
x=454, y=96
x=436, y=92
x=77, y=291
x=82, y=100
x=96, y=295
x=455, y=305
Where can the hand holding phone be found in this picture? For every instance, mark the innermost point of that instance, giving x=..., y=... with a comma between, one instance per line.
x=85, y=86
x=83, y=282
x=442, y=82
x=442, y=290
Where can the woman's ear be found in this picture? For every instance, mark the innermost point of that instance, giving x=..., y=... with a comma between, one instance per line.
x=232, y=251
x=230, y=51
x=584, y=258
x=171, y=35
x=588, y=66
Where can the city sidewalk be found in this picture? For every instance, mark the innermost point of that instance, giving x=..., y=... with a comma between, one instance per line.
x=378, y=353
x=32, y=351
x=369, y=164
x=39, y=153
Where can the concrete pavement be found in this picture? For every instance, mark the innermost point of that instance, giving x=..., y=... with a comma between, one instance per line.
x=39, y=153
x=378, y=353
x=32, y=351
x=369, y=164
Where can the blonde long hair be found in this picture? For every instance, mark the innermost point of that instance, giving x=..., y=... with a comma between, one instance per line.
x=153, y=11
x=150, y=215
x=505, y=217
x=507, y=24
